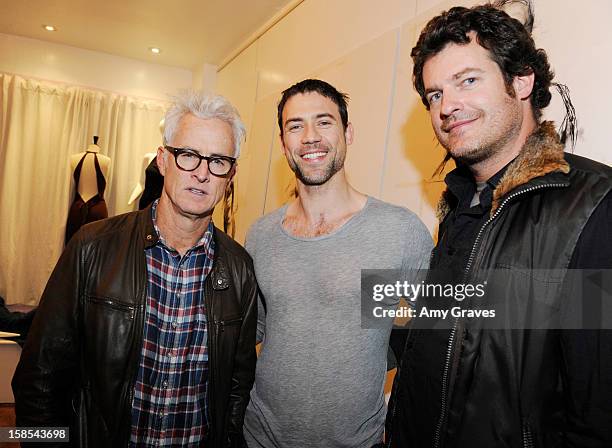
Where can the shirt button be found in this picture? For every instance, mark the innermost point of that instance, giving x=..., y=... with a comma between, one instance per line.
x=165, y=384
x=174, y=324
x=149, y=237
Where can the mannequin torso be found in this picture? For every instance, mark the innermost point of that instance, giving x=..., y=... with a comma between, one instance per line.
x=90, y=171
x=88, y=186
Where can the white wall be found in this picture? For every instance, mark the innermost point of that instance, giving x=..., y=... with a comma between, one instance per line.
x=363, y=48
x=204, y=78
x=75, y=66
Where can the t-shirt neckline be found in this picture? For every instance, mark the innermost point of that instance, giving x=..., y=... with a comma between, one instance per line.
x=346, y=225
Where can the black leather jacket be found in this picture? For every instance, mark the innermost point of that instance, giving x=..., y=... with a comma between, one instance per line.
x=80, y=360
x=509, y=387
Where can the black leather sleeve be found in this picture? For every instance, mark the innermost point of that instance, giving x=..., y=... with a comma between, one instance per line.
x=46, y=375
x=587, y=360
x=243, y=374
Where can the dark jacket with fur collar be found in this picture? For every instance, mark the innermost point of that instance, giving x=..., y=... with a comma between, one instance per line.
x=504, y=388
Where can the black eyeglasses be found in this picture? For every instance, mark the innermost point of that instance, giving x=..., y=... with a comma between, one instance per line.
x=189, y=160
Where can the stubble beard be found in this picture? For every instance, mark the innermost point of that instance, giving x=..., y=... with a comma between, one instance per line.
x=319, y=178
x=493, y=140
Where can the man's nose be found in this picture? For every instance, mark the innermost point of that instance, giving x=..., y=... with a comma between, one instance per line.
x=451, y=102
x=202, y=173
x=311, y=134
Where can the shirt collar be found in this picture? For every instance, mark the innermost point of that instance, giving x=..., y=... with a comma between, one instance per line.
x=461, y=184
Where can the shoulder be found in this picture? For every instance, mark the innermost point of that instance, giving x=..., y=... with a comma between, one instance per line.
x=106, y=238
x=397, y=223
x=590, y=180
x=234, y=255
x=585, y=165
x=123, y=225
x=268, y=220
x=263, y=227
x=394, y=214
x=75, y=158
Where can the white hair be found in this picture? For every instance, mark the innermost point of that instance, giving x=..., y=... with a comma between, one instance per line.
x=204, y=106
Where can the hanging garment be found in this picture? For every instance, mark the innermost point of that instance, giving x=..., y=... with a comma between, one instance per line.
x=94, y=209
x=154, y=183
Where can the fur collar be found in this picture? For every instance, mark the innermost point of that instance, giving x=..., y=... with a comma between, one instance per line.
x=542, y=153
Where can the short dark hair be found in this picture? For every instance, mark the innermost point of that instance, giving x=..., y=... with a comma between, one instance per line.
x=321, y=87
x=509, y=43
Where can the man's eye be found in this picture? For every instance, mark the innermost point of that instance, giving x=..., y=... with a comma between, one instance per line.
x=218, y=161
x=324, y=123
x=294, y=127
x=189, y=155
x=469, y=81
x=434, y=97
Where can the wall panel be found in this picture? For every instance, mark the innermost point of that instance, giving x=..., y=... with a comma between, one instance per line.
x=318, y=32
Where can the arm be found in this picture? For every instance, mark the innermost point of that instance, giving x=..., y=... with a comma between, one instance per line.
x=243, y=374
x=249, y=245
x=48, y=370
x=261, y=319
x=586, y=354
x=417, y=253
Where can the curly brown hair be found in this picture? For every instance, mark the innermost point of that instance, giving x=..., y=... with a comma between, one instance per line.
x=509, y=43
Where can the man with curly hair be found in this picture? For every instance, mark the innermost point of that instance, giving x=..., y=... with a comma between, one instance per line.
x=516, y=201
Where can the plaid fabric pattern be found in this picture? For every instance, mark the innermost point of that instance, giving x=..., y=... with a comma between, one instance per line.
x=169, y=406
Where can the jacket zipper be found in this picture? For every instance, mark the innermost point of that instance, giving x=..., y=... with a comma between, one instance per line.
x=451, y=339
x=212, y=347
x=527, y=436
x=134, y=373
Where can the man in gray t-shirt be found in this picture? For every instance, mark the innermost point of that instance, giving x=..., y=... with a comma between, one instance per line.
x=320, y=376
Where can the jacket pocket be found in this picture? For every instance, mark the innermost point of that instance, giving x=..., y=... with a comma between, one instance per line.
x=224, y=324
x=113, y=304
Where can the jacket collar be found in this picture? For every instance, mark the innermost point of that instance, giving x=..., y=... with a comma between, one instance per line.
x=541, y=154
x=219, y=274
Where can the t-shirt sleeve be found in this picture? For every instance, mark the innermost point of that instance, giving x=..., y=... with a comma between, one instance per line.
x=418, y=245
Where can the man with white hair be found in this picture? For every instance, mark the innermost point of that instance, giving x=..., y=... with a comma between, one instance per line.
x=145, y=334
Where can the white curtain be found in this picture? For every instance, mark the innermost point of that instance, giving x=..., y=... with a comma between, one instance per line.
x=41, y=125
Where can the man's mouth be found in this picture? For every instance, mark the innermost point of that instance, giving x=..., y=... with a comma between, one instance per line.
x=197, y=191
x=314, y=156
x=457, y=124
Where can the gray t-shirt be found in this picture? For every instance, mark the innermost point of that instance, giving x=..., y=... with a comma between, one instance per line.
x=320, y=377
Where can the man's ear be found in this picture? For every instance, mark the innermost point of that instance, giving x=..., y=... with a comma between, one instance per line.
x=349, y=133
x=161, y=160
x=523, y=85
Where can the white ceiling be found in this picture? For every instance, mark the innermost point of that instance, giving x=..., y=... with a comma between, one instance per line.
x=189, y=32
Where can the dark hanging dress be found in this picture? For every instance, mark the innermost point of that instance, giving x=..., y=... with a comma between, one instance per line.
x=154, y=183
x=94, y=209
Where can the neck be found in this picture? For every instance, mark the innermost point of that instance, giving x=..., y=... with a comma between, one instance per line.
x=330, y=201
x=93, y=148
x=486, y=169
x=180, y=232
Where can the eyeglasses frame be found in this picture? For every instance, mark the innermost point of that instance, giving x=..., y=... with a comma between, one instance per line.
x=178, y=151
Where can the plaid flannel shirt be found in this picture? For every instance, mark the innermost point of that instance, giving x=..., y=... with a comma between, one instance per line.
x=169, y=406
